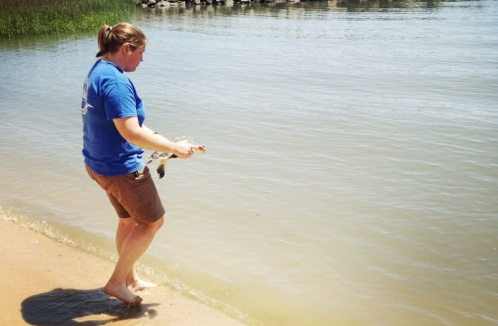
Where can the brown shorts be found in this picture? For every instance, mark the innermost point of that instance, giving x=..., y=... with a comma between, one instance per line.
x=132, y=195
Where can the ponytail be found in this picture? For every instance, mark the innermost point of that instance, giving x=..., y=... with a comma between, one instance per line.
x=103, y=40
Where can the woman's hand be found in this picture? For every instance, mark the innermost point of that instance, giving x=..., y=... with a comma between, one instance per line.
x=184, y=150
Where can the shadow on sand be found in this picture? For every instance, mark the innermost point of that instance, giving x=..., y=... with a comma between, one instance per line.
x=71, y=307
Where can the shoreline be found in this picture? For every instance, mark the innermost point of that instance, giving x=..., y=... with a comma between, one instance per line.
x=44, y=281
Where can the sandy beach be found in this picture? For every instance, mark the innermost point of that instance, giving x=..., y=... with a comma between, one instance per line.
x=44, y=282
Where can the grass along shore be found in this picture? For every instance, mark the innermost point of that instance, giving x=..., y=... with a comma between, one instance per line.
x=25, y=18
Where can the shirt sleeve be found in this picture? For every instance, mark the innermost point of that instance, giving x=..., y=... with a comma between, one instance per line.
x=119, y=100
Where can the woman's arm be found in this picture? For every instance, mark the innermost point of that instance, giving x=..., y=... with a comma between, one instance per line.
x=145, y=138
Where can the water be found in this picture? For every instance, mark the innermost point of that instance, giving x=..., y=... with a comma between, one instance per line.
x=352, y=165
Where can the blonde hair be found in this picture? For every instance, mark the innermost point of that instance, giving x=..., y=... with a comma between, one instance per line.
x=111, y=38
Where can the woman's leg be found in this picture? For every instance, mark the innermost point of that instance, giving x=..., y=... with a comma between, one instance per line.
x=133, y=281
x=132, y=241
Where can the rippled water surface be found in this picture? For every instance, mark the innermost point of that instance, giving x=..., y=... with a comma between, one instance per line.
x=351, y=175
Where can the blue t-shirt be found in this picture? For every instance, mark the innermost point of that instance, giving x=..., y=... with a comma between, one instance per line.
x=109, y=94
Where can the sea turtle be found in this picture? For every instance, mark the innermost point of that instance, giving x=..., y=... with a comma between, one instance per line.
x=163, y=157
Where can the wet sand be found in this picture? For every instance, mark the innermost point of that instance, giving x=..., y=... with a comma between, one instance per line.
x=44, y=282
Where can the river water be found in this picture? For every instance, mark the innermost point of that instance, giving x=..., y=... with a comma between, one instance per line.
x=351, y=173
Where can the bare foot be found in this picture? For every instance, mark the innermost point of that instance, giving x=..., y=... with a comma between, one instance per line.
x=122, y=293
x=140, y=285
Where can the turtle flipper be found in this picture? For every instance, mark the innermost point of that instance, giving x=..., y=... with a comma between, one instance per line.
x=160, y=171
x=162, y=167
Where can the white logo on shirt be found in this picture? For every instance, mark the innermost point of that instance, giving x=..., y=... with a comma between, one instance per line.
x=84, y=104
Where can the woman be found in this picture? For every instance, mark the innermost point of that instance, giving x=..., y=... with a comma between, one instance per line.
x=114, y=139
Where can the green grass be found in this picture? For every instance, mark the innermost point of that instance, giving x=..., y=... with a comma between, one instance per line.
x=25, y=18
